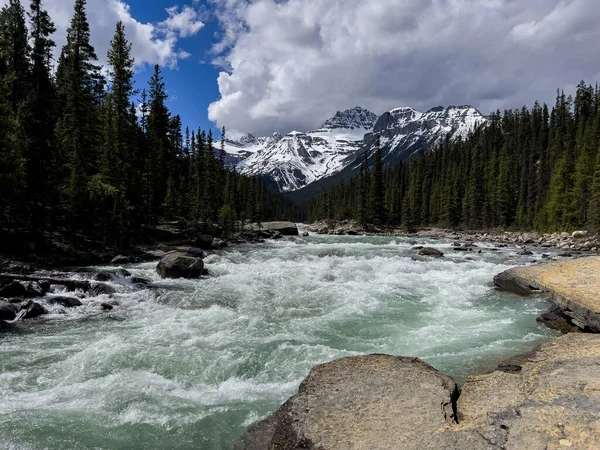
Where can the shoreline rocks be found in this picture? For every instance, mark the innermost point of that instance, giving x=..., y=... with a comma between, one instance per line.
x=573, y=285
x=546, y=399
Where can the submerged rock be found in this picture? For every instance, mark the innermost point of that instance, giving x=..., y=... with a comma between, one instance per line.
x=8, y=311
x=179, y=265
x=67, y=302
x=372, y=402
x=428, y=251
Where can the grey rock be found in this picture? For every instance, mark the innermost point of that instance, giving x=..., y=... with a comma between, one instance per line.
x=106, y=306
x=13, y=289
x=101, y=289
x=285, y=228
x=179, y=265
x=546, y=399
x=204, y=241
x=121, y=259
x=33, y=310
x=370, y=402
x=8, y=311
x=67, y=302
x=428, y=251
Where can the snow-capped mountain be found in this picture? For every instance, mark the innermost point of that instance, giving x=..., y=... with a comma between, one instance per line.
x=298, y=159
x=331, y=153
x=405, y=131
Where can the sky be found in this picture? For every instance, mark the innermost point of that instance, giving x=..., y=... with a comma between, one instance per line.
x=279, y=65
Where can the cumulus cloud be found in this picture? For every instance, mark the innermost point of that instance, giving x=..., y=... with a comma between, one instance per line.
x=293, y=63
x=153, y=43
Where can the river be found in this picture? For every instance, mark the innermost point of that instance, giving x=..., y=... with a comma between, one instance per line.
x=189, y=364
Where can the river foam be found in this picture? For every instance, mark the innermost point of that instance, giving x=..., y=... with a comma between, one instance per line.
x=191, y=363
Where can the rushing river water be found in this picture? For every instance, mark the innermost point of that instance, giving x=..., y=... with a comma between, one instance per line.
x=190, y=364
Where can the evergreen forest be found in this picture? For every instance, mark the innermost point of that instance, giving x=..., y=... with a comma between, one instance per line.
x=528, y=169
x=79, y=155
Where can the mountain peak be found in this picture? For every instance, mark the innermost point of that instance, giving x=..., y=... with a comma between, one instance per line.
x=356, y=117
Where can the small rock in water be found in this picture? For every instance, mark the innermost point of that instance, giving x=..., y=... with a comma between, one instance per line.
x=121, y=259
x=33, y=310
x=428, y=251
x=103, y=276
x=67, y=302
x=106, y=306
x=101, y=289
x=525, y=252
x=13, y=289
x=305, y=234
x=8, y=311
x=33, y=289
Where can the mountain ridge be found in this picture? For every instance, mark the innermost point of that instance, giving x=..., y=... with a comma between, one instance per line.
x=297, y=160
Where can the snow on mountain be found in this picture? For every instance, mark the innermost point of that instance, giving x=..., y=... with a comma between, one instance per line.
x=298, y=159
x=405, y=131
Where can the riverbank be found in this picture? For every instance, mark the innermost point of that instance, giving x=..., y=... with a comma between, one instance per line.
x=548, y=398
x=570, y=244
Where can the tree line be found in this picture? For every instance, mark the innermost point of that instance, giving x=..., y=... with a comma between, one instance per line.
x=77, y=155
x=524, y=169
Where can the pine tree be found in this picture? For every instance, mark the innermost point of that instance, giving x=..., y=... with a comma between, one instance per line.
x=376, y=193
x=77, y=129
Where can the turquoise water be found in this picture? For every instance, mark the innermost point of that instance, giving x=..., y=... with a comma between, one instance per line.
x=191, y=364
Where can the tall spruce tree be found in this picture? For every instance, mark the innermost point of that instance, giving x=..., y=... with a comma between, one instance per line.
x=77, y=128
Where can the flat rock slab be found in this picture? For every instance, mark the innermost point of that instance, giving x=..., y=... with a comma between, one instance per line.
x=547, y=399
x=285, y=228
x=367, y=402
x=573, y=285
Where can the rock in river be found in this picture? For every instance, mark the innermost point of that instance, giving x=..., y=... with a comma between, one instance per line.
x=67, y=302
x=285, y=228
x=179, y=265
x=428, y=251
x=7, y=310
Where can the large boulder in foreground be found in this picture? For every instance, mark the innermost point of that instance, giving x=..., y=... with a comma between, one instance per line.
x=547, y=399
x=285, y=228
x=180, y=265
x=371, y=402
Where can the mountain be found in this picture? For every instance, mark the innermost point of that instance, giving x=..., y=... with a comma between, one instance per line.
x=298, y=159
x=316, y=160
x=405, y=131
x=402, y=133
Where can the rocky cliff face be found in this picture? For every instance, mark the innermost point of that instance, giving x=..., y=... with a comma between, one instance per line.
x=404, y=131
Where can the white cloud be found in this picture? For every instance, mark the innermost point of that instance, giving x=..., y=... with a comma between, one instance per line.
x=152, y=42
x=292, y=64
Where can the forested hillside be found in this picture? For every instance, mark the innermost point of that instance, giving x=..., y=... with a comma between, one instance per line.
x=526, y=169
x=77, y=154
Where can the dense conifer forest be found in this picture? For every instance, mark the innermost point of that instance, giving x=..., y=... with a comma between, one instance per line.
x=525, y=169
x=77, y=154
